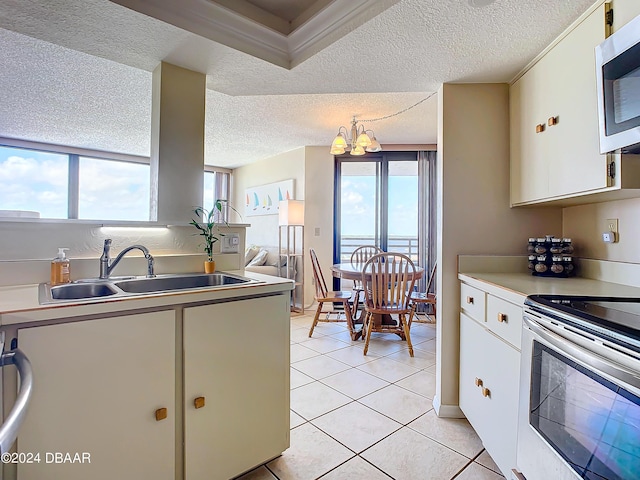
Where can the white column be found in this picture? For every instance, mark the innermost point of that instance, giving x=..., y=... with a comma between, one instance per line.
x=177, y=143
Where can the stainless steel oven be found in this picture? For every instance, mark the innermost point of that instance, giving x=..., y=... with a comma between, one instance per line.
x=579, y=413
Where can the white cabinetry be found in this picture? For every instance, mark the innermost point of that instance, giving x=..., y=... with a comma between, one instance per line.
x=197, y=391
x=236, y=385
x=490, y=371
x=97, y=387
x=555, y=154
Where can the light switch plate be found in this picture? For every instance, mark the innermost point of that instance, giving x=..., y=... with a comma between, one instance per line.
x=230, y=243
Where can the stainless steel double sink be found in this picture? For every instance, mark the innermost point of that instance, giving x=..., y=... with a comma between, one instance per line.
x=92, y=289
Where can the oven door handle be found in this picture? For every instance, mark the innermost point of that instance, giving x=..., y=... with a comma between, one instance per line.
x=11, y=425
x=590, y=359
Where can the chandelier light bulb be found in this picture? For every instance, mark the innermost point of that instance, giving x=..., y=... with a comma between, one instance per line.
x=363, y=140
x=358, y=141
x=358, y=150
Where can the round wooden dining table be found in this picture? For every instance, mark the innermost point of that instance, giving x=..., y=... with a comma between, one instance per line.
x=353, y=271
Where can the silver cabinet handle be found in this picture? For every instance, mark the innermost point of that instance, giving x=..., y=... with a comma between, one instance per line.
x=10, y=427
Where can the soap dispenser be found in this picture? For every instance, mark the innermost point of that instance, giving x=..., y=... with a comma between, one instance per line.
x=60, y=271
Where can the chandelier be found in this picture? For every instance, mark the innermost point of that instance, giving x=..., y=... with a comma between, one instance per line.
x=357, y=143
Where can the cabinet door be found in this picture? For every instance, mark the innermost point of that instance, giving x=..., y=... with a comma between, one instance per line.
x=563, y=159
x=502, y=378
x=236, y=362
x=472, y=367
x=97, y=385
x=529, y=161
x=494, y=413
x=576, y=163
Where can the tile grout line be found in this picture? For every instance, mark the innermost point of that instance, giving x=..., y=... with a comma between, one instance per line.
x=401, y=425
x=467, y=464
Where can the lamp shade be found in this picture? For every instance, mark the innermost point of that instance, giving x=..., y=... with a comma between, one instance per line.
x=339, y=142
x=375, y=146
x=291, y=212
x=363, y=140
x=357, y=151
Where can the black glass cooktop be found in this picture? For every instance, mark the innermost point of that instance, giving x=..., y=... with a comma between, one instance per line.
x=615, y=318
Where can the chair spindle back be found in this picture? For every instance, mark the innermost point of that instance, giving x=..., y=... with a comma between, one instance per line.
x=388, y=279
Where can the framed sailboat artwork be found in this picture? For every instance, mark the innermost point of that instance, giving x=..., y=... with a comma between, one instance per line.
x=265, y=199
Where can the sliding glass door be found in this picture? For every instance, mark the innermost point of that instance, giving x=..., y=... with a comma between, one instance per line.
x=376, y=203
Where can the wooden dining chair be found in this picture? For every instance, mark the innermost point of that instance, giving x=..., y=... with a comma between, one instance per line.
x=323, y=296
x=424, y=298
x=388, y=279
x=359, y=257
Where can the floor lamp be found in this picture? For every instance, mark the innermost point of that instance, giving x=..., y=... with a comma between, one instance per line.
x=291, y=241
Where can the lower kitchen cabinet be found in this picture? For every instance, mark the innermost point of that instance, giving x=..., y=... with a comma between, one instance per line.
x=97, y=387
x=489, y=377
x=236, y=385
x=192, y=392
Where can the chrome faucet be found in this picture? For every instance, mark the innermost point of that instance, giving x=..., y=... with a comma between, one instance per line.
x=107, y=266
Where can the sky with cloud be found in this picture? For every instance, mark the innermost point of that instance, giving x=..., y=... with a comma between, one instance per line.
x=38, y=181
x=358, y=205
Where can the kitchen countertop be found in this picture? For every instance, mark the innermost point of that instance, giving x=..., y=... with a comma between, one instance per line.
x=516, y=286
x=19, y=304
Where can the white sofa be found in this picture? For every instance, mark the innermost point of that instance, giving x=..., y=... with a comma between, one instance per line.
x=268, y=263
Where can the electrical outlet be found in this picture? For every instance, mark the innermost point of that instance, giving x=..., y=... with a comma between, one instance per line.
x=612, y=225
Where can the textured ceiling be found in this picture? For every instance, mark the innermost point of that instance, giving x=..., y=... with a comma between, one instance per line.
x=84, y=78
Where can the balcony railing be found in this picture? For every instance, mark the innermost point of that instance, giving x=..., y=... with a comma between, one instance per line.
x=401, y=244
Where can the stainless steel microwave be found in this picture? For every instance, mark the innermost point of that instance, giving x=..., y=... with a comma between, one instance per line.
x=618, y=82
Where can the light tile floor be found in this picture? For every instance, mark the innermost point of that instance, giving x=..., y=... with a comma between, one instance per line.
x=370, y=417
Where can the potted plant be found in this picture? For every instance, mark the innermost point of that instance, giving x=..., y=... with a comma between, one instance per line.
x=208, y=228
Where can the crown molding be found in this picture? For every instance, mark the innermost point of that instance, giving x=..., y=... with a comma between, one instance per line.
x=219, y=24
x=222, y=25
x=328, y=25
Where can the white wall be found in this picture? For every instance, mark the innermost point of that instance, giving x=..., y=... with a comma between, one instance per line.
x=264, y=229
x=584, y=224
x=318, y=213
x=473, y=208
x=26, y=249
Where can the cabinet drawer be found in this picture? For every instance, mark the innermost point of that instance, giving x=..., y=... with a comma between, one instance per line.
x=504, y=319
x=472, y=301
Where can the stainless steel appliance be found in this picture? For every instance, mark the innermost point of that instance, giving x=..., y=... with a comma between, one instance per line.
x=618, y=84
x=579, y=414
x=13, y=421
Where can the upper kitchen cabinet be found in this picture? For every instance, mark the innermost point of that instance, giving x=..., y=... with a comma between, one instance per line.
x=555, y=155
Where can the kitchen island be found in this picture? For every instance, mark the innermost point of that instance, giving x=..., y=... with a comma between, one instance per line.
x=189, y=384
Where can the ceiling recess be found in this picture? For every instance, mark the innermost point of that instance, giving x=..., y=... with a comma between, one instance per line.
x=248, y=26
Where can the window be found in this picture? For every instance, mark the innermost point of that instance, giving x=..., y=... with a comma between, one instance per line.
x=68, y=183
x=112, y=190
x=216, y=187
x=61, y=184
x=386, y=199
x=34, y=181
x=377, y=204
